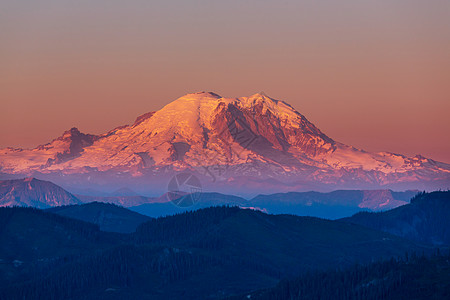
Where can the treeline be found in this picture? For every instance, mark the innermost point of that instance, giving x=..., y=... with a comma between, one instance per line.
x=183, y=226
x=123, y=266
x=425, y=220
x=196, y=247
x=144, y=269
x=412, y=277
x=145, y=262
x=87, y=230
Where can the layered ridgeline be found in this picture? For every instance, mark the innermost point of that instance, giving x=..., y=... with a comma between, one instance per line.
x=187, y=256
x=250, y=144
x=415, y=277
x=104, y=209
x=108, y=217
x=214, y=253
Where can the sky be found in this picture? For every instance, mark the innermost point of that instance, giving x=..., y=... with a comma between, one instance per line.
x=371, y=74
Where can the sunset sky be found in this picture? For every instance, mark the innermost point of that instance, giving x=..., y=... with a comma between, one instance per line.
x=372, y=74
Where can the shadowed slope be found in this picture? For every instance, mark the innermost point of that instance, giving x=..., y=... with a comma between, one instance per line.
x=108, y=217
x=425, y=220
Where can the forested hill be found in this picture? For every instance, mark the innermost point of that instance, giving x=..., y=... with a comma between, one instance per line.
x=109, y=217
x=426, y=219
x=412, y=277
x=209, y=253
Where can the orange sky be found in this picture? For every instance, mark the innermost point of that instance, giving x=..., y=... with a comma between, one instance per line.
x=372, y=74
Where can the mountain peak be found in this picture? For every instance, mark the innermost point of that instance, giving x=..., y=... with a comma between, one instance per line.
x=254, y=137
x=74, y=135
x=204, y=96
x=208, y=94
x=34, y=192
x=259, y=99
x=74, y=131
x=212, y=99
x=261, y=95
x=192, y=102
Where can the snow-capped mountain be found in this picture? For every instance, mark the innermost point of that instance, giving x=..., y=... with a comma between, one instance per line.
x=233, y=144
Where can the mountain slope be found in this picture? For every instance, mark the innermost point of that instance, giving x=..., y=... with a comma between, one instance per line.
x=415, y=278
x=333, y=205
x=425, y=220
x=34, y=192
x=31, y=239
x=204, y=200
x=336, y=204
x=284, y=242
x=210, y=253
x=125, y=201
x=64, y=148
x=250, y=143
x=108, y=217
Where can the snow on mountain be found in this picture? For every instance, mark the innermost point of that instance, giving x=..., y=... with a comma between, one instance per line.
x=232, y=141
x=66, y=147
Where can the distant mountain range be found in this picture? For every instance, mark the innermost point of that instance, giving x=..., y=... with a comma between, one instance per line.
x=244, y=146
x=43, y=194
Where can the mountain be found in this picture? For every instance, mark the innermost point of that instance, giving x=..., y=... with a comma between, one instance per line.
x=202, y=200
x=34, y=192
x=210, y=253
x=332, y=205
x=125, y=201
x=62, y=149
x=418, y=277
x=32, y=240
x=246, y=145
x=425, y=219
x=43, y=194
x=108, y=217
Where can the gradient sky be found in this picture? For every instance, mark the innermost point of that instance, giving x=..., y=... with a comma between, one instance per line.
x=372, y=74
